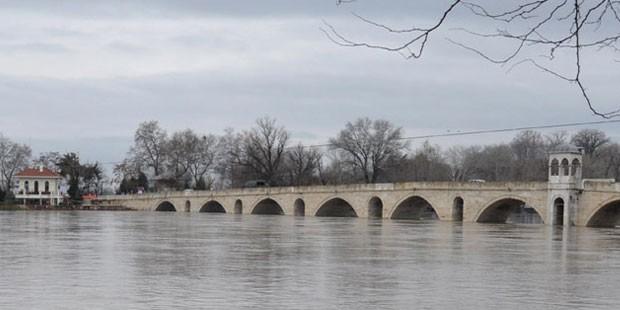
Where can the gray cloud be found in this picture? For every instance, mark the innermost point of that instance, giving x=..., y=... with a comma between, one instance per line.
x=81, y=75
x=198, y=8
x=34, y=47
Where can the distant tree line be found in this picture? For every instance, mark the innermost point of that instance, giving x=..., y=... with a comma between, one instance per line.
x=364, y=151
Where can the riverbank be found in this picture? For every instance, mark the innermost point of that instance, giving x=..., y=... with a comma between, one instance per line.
x=62, y=208
x=12, y=208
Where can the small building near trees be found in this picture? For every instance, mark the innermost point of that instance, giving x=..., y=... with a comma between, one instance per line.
x=39, y=186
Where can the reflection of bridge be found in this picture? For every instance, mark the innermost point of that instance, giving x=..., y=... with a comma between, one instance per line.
x=564, y=199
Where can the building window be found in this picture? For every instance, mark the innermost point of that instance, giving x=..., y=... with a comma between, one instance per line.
x=47, y=187
x=555, y=167
x=26, y=186
x=565, y=167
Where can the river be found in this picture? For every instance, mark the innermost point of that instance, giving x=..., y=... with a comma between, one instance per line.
x=142, y=260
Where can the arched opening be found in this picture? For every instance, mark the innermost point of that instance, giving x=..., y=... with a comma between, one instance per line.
x=558, y=212
x=300, y=208
x=268, y=206
x=457, y=209
x=607, y=216
x=212, y=207
x=555, y=167
x=47, y=186
x=375, y=208
x=336, y=207
x=513, y=211
x=415, y=208
x=36, y=187
x=574, y=167
x=27, y=187
x=565, y=167
x=188, y=206
x=166, y=207
x=238, y=209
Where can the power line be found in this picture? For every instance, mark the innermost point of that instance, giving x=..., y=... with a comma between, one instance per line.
x=470, y=133
x=487, y=131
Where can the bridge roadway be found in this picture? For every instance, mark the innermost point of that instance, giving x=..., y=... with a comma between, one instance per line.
x=595, y=203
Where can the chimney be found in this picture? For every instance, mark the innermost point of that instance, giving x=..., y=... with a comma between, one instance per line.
x=40, y=168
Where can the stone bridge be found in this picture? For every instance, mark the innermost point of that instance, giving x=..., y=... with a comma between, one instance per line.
x=591, y=203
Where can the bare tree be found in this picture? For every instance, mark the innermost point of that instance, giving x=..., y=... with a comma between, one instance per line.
x=334, y=169
x=367, y=144
x=302, y=164
x=179, y=152
x=555, y=28
x=428, y=164
x=13, y=158
x=228, y=147
x=590, y=140
x=457, y=158
x=262, y=150
x=530, y=157
x=555, y=139
x=149, y=146
x=203, y=158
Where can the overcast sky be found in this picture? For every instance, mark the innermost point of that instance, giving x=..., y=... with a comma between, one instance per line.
x=81, y=75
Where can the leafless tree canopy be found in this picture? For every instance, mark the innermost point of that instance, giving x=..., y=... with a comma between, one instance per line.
x=364, y=151
x=13, y=158
x=590, y=140
x=302, y=164
x=149, y=146
x=555, y=28
x=262, y=149
x=367, y=144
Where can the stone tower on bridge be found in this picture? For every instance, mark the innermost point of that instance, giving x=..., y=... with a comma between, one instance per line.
x=565, y=174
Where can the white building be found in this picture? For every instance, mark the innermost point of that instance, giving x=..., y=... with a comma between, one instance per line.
x=39, y=186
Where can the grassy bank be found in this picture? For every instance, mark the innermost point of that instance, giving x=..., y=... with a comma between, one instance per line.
x=12, y=208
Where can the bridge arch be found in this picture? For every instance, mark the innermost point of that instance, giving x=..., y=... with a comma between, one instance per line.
x=558, y=211
x=375, y=207
x=165, y=206
x=268, y=206
x=501, y=209
x=238, y=209
x=414, y=207
x=335, y=207
x=212, y=206
x=606, y=214
x=300, y=207
x=458, y=206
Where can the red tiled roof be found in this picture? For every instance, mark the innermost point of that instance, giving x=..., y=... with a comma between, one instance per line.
x=36, y=172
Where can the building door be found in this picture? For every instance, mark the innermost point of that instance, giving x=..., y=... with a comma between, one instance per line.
x=558, y=209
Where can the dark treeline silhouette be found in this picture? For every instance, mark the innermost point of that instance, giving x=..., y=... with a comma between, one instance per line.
x=364, y=151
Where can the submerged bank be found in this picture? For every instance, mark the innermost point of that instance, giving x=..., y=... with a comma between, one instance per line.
x=61, y=208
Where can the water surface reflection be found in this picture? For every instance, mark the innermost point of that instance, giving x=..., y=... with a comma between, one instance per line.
x=99, y=260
